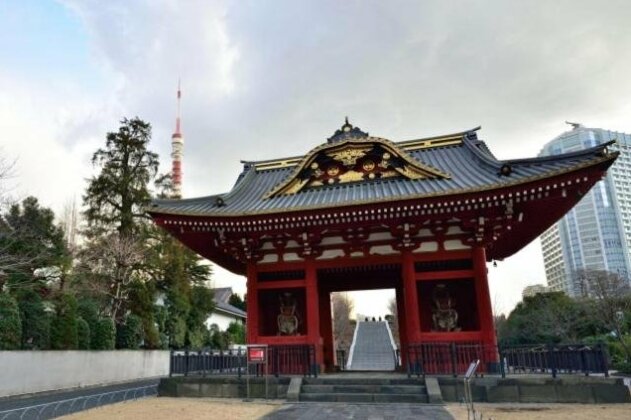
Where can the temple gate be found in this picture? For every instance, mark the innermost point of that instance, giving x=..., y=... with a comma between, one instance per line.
x=359, y=212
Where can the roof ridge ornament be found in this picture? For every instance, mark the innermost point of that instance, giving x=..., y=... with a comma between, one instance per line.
x=346, y=132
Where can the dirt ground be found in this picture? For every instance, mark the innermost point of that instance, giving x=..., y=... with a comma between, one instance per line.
x=178, y=408
x=198, y=408
x=545, y=411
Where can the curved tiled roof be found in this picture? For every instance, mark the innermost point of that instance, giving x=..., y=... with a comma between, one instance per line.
x=468, y=161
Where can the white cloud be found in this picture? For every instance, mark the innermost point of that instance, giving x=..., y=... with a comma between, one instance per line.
x=264, y=79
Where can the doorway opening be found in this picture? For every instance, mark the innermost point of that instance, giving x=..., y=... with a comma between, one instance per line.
x=361, y=331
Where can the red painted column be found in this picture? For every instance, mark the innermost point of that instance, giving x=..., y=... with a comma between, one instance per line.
x=252, y=321
x=412, y=313
x=401, y=319
x=483, y=296
x=326, y=331
x=313, y=310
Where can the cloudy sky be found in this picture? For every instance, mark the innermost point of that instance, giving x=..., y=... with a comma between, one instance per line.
x=265, y=79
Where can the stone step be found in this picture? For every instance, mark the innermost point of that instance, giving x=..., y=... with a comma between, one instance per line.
x=364, y=398
x=362, y=381
x=367, y=389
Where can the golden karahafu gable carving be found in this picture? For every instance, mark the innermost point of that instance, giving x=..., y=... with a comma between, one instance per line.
x=354, y=159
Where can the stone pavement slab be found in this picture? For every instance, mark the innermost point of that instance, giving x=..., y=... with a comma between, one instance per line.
x=318, y=411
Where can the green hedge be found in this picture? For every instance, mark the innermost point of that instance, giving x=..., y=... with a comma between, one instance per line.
x=64, y=334
x=10, y=323
x=83, y=333
x=105, y=335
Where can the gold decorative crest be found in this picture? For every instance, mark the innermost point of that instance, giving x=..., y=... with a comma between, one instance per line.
x=355, y=159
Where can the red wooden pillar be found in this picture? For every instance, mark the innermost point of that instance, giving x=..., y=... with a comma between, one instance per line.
x=313, y=310
x=412, y=313
x=326, y=330
x=483, y=297
x=401, y=319
x=252, y=321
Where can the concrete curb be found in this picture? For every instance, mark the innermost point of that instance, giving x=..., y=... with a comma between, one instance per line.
x=434, y=394
x=293, y=392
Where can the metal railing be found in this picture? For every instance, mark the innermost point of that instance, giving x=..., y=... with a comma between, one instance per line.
x=298, y=359
x=555, y=359
x=208, y=362
x=453, y=359
x=73, y=405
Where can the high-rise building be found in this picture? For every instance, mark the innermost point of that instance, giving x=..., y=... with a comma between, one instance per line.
x=596, y=233
x=535, y=289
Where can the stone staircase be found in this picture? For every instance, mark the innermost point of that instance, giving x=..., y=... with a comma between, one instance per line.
x=372, y=348
x=364, y=390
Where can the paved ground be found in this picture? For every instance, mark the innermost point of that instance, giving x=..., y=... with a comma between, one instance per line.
x=317, y=411
x=12, y=403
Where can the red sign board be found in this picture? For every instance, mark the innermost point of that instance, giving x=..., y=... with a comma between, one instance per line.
x=257, y=354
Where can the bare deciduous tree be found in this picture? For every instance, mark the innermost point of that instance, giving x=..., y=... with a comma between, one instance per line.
x=394, y=320
x=612, y=295
x=107, y=267
x=342, y=306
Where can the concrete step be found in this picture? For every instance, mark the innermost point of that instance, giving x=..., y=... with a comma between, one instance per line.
x=367, y=389
x=323, y=380
x=364, y=398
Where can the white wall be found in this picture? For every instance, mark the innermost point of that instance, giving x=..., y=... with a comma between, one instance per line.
x=24, y=372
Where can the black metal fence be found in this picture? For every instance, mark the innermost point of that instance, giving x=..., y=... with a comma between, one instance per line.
x=554, y=359
x=208, y=362
x=296, y=359
x=453, y=358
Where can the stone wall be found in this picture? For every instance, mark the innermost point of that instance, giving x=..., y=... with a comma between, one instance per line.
x=26, y=372
x=567, y=389
x=222, y=387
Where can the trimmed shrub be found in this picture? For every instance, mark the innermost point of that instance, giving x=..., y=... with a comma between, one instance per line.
x=237, y=332
x=63, y=329
x=10, y=323
x=105, y=335
x=129, y=334
x=83, y=333
x=152, y=338
x=89, y=311
x=35, y=321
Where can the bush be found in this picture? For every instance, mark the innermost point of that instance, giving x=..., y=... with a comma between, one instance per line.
x=10, y=323
x=619, y=358
x=129, y=334
x=89, y=311
x=63, y=329
x=35, y=321
x=622, y=367
x=176, y=330
x=237, y=333
x=152, y=337
x=83, y=333
x=196, y=338
x=105, y=335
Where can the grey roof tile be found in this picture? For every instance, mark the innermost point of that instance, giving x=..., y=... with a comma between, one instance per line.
x=470, y=164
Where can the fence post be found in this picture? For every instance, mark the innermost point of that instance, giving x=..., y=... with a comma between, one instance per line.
x=553, y=364
x=603, y=358
x=186, y=362
x=584, y=364
x=453, y=359
x=171, y=355
x=239, y=362
x=501, y=356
